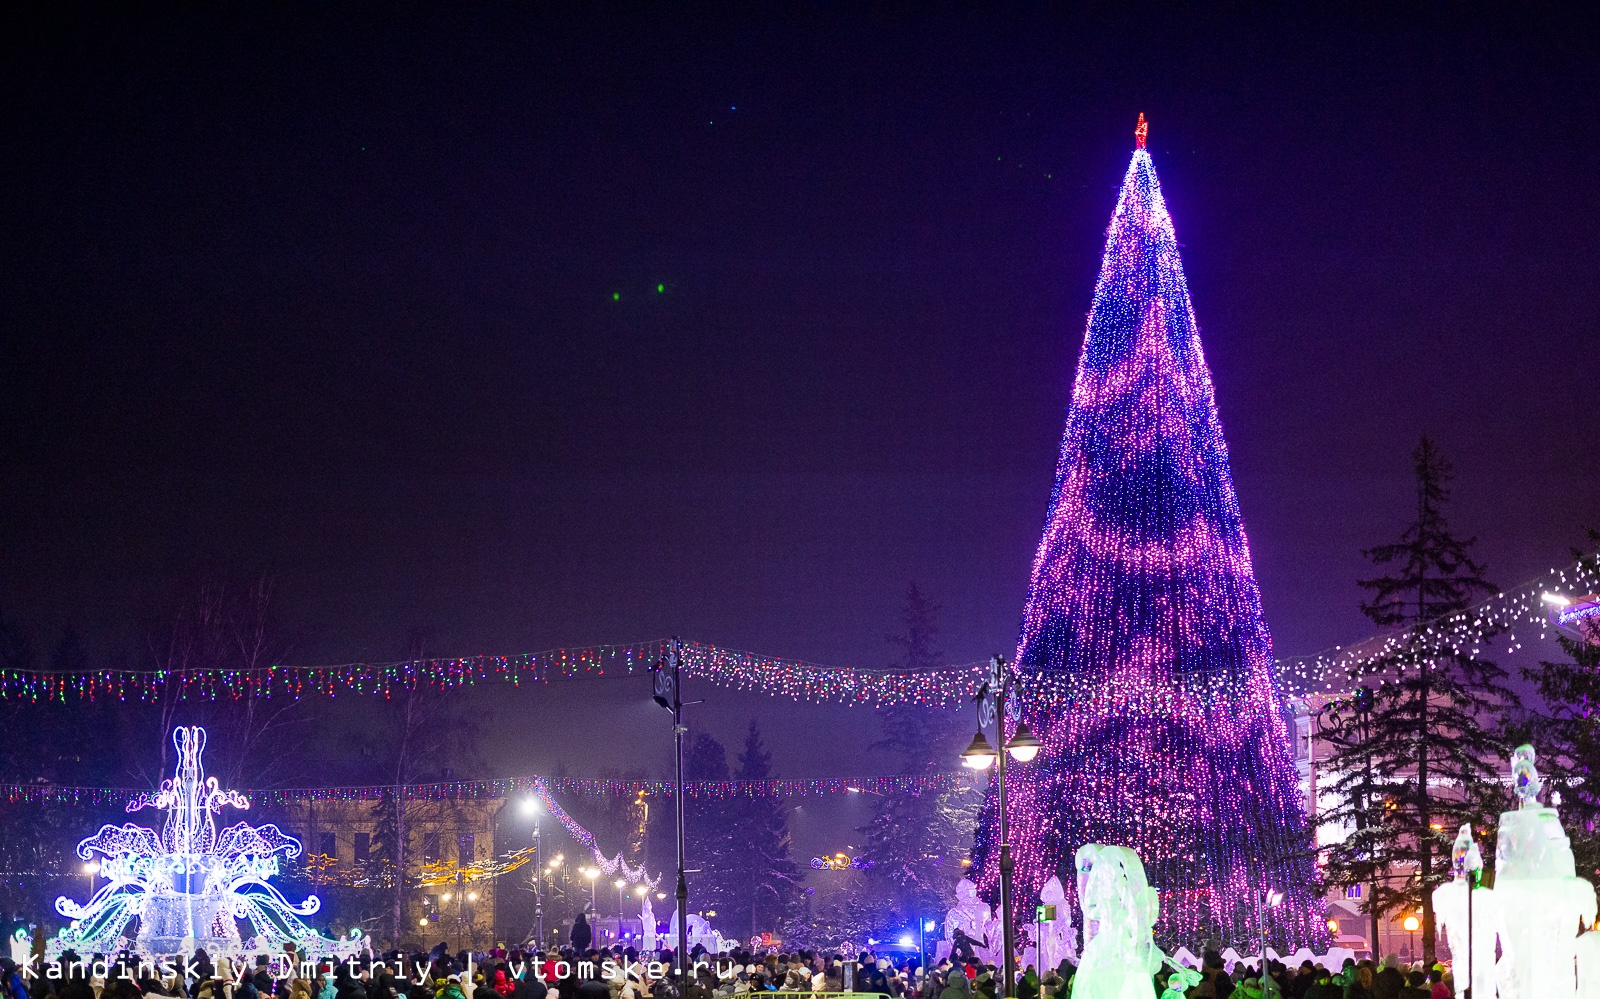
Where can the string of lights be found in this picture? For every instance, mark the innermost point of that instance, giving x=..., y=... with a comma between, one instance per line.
x=1518, y=611
x=948, y=687
x=1501, y=624
x=513, y=787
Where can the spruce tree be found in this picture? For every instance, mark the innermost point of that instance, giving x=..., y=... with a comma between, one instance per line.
x=917, y=838
x=768, y=882
x=1415, y=754
x=708, y=832
x=1568, y=736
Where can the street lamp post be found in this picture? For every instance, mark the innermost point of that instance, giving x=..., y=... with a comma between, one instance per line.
x=462, y=898
x=1266, y=900
x=1022, y=747
x=620, y=884
x=530, y=806
x=668, y=692
x=593, y=874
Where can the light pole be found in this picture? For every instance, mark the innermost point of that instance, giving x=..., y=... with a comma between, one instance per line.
x=1267, y=900
x=620, y=884
x=530, y=806
x=593, y=874
x=668, y=692
x=1023, y=746
x=640, y=892
x=462, y=898
x=92, y=868
x=1411, y=923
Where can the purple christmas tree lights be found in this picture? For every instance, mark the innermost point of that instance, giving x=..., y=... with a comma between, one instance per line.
x=1146, y=665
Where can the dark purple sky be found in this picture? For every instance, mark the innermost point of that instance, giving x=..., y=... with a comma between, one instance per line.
x=330, y=294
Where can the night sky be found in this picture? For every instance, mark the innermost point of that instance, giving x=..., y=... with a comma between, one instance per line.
x=555, y=325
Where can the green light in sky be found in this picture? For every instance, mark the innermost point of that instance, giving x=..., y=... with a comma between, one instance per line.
x=616, y=296
x=661, y=289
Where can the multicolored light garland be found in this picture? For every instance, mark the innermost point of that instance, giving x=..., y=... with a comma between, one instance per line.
x=1491, y=626
x=512, y=787
x=1147, y=666
x=947, y=687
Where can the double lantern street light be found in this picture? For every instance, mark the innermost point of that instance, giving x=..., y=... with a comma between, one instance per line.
x=1023, y=746
x=461, y=919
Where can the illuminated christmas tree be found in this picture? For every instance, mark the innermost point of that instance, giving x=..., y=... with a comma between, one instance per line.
x=1146, y=665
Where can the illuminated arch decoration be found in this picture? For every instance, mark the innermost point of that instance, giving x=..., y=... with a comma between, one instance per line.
x=189, y=885
x=610, y=865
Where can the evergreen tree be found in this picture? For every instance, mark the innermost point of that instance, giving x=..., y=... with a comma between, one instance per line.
x=767, y=881
x=1414, y=754
x=1569, y=735
x=384, y=851
x=707, y=832
x=1145, y=660
x=916, y=839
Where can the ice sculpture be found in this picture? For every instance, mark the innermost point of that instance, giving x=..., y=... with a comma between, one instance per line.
x=1541, y=901
x=1450, y=905
x=1119, y=911
x=1589, y=965
x=1180, y=982
x=189, y=885
x=1058, y=940
x=700, y=932
x=21, y=946
x=966, y=926
x=647, y=925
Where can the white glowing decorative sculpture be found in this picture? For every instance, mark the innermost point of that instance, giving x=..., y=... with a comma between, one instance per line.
x=1541, y=901
x=1450, y=905
x=1119, y=911
x=189, y=885
x=1057, y=940
x=968, y=923
x=647, y=925
x=700, y=932
x=1589, y=964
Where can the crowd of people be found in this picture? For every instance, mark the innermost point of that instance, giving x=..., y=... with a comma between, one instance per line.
x=580, y=971
x=1352, y=980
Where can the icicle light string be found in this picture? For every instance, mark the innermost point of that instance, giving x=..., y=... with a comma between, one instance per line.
x=1326, y=672
x=512, y=787
x=948, y=687
x=1491, y=627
